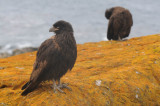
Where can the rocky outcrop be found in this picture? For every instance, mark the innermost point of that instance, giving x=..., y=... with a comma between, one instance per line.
x=105, y=73
x=18, y=51
x=4, y=55
x=23, y=50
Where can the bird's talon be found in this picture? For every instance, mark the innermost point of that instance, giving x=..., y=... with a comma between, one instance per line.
x=65, y=86
x=58, y=88
x=55, y=91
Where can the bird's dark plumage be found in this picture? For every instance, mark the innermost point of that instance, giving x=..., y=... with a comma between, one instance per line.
x=55, y=56
x=120, y=23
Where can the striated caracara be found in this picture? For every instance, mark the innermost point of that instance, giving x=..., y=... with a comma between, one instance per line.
x=120, y=23
x=55, y=57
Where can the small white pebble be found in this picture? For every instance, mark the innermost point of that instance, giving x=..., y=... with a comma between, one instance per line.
x=137, y=72
x=136, y=95
x=99, y=45
x=20, y=67
x=31, y=55
x=155, y=62
x=98, y=53
x=3, y=104
x=143, y=53
x=98, y=82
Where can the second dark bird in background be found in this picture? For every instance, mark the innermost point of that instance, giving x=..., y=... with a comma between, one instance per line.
x=120, y=23
x=55, y=57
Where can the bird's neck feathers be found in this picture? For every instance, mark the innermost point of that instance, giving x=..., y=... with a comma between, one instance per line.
x=65, y=38
x=64, y=35
x=66, y=42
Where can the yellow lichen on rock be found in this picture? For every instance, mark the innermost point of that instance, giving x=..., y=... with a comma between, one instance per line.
x=105, y=73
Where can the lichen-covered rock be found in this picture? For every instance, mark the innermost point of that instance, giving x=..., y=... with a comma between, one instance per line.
x=18, y=51
x=4, y=55
x=105, y=73
x=24, y=50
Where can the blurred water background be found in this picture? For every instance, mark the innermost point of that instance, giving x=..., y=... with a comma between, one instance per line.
x=26, y=23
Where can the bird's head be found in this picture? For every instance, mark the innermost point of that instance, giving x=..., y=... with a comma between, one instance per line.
x=108, y=13
x=61, y=27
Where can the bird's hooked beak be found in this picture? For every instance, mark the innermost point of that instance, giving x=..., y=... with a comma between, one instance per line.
x=53, y=29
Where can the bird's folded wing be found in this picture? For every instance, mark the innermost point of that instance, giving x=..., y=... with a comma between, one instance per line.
x=46, y=51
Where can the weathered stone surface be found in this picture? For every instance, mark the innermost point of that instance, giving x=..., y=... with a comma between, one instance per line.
x=18, y=51
x=4, y=55
x=23, y=50
x=105, y=73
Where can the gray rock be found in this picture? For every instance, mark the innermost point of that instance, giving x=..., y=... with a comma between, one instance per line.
x=23, y=50
x=1, y=68
x=4, y=55
x=18, y=51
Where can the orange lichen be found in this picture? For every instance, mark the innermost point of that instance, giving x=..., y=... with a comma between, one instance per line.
x=105, y=73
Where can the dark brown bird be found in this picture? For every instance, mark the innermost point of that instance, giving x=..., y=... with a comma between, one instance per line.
x=120, y=23
x=55, y=57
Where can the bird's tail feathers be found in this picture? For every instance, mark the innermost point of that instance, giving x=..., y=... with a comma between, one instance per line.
x=29, y=88
x=25, y=85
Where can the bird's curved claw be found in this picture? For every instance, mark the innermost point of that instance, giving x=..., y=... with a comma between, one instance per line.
x=61, y=86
